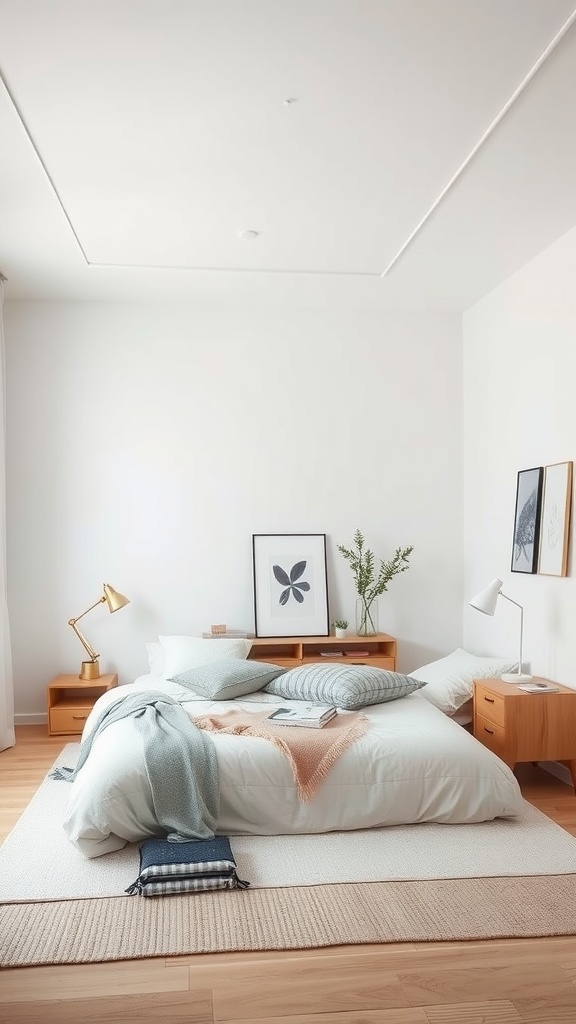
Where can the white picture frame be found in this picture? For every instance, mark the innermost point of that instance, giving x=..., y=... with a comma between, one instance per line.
x=555, y=520
x=290, y=584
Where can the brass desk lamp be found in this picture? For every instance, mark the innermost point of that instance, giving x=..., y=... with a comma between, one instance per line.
x=114, y=600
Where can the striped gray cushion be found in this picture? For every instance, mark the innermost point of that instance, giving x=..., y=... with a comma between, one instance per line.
x=345, y=686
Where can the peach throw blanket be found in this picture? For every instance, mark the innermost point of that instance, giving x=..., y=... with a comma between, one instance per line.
x=311, y=752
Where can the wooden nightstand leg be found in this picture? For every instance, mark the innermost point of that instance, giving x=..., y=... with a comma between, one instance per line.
x=572, y=767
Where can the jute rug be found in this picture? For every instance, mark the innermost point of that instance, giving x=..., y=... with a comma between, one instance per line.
x=89, y=931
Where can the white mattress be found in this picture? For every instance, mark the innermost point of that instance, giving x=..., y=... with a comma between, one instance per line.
x=414, y=764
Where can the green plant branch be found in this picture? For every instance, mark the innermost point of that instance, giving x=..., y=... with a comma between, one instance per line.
x=369, y=583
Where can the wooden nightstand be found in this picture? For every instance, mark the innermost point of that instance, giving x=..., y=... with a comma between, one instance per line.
x=520, y=726
x=70, y=701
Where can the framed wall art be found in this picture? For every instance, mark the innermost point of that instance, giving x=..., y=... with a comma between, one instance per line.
x=527, y=520
x=555, y=522
x=290, y=584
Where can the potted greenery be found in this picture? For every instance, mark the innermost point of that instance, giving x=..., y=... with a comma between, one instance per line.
x=340, y=627
x=369, y=583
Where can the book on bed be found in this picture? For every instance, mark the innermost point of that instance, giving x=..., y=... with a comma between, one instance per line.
x=312, y=716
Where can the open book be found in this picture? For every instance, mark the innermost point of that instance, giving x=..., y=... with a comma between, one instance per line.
x=312, y=716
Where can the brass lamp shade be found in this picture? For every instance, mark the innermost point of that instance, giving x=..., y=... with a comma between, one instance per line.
x=115, y=601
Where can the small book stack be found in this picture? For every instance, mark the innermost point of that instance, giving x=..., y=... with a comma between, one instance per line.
x=311, y=716
x=221, y=632
x=357, y=654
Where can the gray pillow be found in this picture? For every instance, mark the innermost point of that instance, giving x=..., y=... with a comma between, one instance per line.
x=345, y=686
x=228, y=677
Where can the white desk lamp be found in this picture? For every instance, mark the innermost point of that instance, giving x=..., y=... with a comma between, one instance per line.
x=486, y=602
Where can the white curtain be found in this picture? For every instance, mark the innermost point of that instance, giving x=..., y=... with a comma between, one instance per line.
x=6, y=686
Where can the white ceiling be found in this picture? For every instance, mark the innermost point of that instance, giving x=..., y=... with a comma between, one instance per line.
x=428, y=151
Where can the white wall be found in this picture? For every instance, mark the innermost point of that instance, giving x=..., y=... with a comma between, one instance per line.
x=519, y=412
x=147, y=444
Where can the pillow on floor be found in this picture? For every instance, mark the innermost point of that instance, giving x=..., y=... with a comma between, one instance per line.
x=228, y=678
x=195, y=866
x=345, y=686
x=449, y=681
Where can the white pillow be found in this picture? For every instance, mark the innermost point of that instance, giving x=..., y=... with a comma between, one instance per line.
x=182, y=653
x=155, y=659
x=178, y=693
x=450, y=679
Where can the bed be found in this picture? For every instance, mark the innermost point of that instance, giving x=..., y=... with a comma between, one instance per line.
x=412, y=764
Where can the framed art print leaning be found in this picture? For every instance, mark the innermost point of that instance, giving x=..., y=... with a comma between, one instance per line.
x=290, y=584
x=555, y=524
x=527, y=520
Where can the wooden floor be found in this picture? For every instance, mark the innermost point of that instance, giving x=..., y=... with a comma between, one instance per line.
x=524, y=981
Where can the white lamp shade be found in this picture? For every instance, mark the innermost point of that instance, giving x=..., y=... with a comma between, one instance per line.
x=486, y=600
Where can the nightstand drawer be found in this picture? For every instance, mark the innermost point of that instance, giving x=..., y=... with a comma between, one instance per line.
x=71, y=699
x=491, y=735
x=489, y=705
x=68, y=720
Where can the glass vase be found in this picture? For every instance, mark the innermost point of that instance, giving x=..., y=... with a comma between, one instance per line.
x=366, y=617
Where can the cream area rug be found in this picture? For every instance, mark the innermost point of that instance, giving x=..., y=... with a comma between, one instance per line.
x=306, y=891
x=55, y=870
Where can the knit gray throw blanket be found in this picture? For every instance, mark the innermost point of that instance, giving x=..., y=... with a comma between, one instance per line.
x=180, y=763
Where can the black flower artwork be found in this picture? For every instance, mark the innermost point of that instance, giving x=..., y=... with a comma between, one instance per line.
x=527, y=517
x=289, y=582
x=526, y=527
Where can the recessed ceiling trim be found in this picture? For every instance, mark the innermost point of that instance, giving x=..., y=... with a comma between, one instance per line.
x=236, y=270
x=45, y=170
x=483, y=138
x=162, y=267
x=372, y=260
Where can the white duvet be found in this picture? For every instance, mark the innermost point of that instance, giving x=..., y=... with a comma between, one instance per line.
x=413, y=764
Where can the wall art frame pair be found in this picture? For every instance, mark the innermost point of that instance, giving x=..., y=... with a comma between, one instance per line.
x=542, y=520
x=290, y=584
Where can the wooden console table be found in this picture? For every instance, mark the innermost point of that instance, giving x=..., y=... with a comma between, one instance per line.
x=291, y=651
